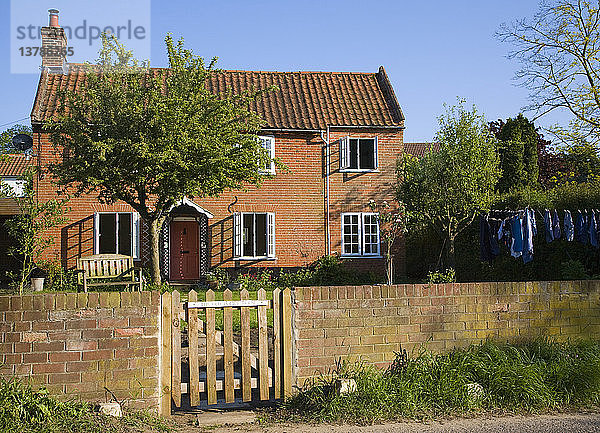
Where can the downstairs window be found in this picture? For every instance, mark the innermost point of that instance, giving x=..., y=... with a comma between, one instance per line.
x=254, y=235
x=117, y=233
x=360, y=234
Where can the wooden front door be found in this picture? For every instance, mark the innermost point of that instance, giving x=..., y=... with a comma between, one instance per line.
x=185, y=247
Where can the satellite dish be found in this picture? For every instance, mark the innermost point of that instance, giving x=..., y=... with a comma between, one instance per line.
x=22, y=142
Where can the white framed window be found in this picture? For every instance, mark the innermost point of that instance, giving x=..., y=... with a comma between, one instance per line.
x=14, y=185
x=117, y=233
x=358, y=154
x=254, y=235
x=268, y=143
x=360, y=234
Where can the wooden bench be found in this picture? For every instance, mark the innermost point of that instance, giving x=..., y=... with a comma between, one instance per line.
x=102, y=268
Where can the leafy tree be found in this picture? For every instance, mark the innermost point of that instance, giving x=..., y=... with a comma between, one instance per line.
x=582, y=162
x=149, y=137
x=517, y=147
x=30, y=227
x=392, y=223
x=448, y=188
x=558, y=50
x=550, y=161
x=7, y=135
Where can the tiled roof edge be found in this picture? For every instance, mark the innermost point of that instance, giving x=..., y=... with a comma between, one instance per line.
x=389, y=95
x=41, y=88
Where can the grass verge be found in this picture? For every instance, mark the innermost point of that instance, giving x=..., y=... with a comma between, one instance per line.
x=25, y=410
x=531, y=376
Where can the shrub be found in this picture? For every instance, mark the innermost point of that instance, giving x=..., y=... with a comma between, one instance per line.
x=327, y=271
x=57, y=278
x=573, y=270
x=437, y=277
x=255, y=281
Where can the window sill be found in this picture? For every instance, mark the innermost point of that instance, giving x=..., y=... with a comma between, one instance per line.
x=358, y=170
x=358, y=256
x=254, y=259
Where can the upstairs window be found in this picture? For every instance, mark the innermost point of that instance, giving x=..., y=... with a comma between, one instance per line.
x=358, y=154
x=360, y=234
x=268, y=143
x=117, y=233
x=254, y=235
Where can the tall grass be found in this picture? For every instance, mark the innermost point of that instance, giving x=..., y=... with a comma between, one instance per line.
x=25, y=410
x=530, y=376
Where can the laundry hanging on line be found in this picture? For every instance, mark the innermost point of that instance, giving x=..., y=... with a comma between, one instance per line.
x=516, y=230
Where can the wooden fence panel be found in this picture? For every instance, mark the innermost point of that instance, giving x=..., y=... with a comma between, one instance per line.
x=263, y=348
x=192, y=317
x=277, y=344
x=176, y=348
x=246, y=366
x=286, y=323
x=228, y=349
x=166, y=360
x=211, y=355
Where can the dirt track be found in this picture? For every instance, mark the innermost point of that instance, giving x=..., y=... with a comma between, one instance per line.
x=558, y=423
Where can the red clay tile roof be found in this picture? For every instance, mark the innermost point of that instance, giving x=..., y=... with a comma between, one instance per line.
x=13, y=165
x=304, y=100
x=420, y=149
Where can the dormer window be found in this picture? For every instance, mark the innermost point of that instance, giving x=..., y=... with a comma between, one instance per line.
x=358, y=154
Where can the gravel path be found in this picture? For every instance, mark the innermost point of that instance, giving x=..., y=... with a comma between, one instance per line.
x=560, y=423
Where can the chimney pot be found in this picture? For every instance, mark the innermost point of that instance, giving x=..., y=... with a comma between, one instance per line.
x=53, y=18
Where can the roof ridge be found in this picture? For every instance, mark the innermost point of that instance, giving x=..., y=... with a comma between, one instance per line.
x=78, y=66
x=305, y=99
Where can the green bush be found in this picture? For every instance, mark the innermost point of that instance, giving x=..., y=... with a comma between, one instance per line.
x=573, y=270
x=57, y=278
x=253, y=282
x=327, y=271
x=437, y=277
x=530, y=376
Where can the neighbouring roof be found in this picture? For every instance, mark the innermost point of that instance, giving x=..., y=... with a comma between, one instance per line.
x=304, y=100
x=420, y=149
x=13, y=165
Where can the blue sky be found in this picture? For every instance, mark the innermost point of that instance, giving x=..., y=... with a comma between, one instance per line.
x=433, y=51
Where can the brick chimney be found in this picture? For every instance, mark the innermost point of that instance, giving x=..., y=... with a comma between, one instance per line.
x=54, y=45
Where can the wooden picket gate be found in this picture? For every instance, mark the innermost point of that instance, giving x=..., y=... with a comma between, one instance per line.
x=268, y=374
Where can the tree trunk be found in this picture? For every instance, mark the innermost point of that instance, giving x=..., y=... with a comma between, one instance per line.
x=451, y=257
x=389, y=268
x=154, y=250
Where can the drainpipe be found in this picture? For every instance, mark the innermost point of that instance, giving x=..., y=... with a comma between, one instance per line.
x=327, y=163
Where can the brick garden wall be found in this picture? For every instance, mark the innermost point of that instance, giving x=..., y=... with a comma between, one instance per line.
x=372, y=322
x=79, y=343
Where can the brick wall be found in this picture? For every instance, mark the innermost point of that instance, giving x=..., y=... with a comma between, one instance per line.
x=79, y=343
x=372, y=322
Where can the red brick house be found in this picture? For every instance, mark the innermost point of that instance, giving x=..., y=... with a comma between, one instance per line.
x=338, y=134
